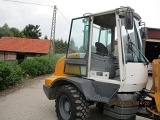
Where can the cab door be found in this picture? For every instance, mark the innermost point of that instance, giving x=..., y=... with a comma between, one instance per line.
x=77, y=51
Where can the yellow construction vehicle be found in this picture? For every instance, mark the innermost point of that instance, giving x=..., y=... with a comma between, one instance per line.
x=152, y=105
x=104, y=65
x=155, y=93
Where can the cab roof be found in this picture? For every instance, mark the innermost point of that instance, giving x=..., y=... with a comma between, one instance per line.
x=119, y=11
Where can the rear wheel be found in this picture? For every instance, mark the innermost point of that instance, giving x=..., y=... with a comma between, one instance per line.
x=71, y=104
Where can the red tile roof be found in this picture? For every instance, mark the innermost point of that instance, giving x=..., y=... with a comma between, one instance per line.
x=24, y=45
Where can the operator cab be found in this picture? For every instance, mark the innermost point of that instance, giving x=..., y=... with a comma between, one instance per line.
x=101, y=48
x=107, y=46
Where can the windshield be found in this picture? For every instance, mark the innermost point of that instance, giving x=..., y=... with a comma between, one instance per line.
x=132, y=43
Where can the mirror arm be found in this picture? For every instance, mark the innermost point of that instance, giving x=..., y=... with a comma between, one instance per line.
x=142, y=23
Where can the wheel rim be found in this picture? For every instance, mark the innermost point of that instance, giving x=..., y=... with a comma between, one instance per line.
x=65, y=107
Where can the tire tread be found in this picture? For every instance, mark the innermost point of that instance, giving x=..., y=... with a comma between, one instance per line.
x=81, y=105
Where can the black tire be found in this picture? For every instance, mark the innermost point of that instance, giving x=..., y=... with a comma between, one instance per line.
x=70, y=104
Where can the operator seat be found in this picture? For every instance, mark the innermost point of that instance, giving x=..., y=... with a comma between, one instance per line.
x=101, y=49
x=102, y=61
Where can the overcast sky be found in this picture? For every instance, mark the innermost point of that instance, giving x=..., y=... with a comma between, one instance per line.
x=19, y=15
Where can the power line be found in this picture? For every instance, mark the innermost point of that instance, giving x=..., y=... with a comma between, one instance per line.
x=63, y=16
x=69, y=23
x=37, y=4
x=27, y=3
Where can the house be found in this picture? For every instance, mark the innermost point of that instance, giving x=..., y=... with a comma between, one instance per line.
x=12, y=48
x=152, y=46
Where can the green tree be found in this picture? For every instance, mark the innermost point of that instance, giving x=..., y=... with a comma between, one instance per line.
x=60, y=46
x=17, y=33
x=46, y=37
x=5, y=31
x=72, y=47
x=81, y=49
x=31, y=31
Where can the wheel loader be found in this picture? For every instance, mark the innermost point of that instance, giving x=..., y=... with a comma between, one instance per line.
x=104, y=66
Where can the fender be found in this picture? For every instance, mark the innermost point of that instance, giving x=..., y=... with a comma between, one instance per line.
x=92, y=90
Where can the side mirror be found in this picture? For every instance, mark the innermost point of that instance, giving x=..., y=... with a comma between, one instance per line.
x=128, y=19
x=144, y=32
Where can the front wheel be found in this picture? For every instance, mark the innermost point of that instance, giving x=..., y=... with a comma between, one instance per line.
x=70, y=104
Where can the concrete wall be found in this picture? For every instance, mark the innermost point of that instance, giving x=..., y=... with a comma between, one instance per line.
x=1, y=55
x=10, y=56
x=7, y=55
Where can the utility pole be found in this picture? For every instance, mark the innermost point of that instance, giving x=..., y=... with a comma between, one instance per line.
x=53, y=27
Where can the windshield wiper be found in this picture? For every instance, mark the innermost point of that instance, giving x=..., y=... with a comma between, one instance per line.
x=130, y=43
x=131, y=49
x=147, y=61
x=130, y=46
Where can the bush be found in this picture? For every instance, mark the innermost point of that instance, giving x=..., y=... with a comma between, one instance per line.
x=40, y=65
x=53, y=62
x=29, y=66
x=10, y=73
